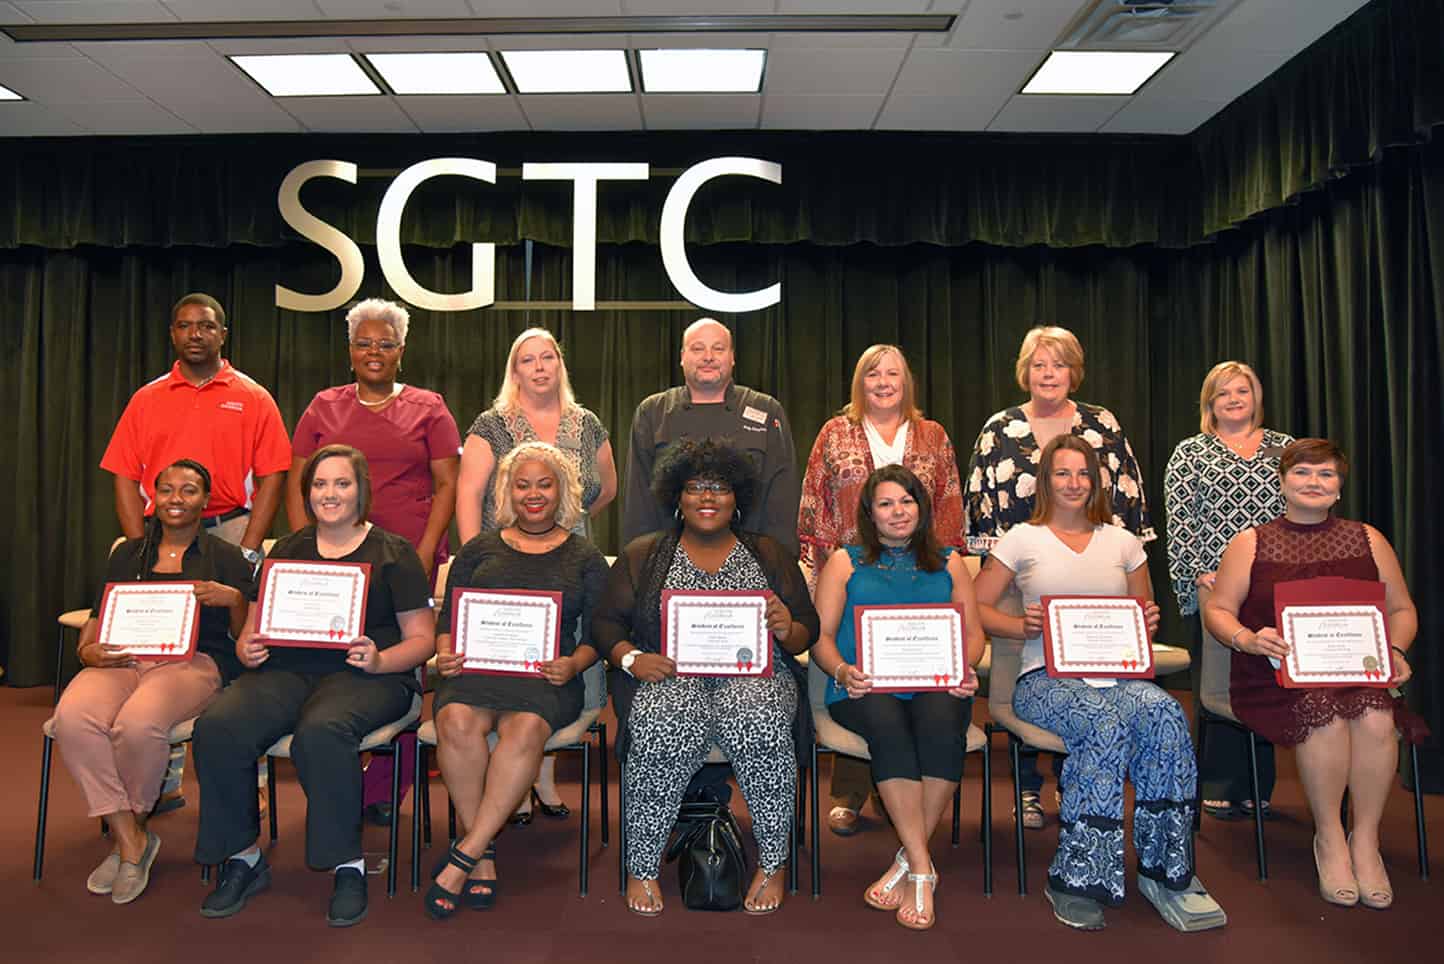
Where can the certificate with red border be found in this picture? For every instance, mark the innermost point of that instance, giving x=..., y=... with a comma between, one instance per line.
x=911, y=648
x=312, y=604
x=505, y=632
x=716, y=633
x=1096, y=636
x=1336, y=633
x=150, y=620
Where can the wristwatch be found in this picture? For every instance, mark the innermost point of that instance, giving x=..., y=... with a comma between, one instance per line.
x=253, y=556
x=628, y=660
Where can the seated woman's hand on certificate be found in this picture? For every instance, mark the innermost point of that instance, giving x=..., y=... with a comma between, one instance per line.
x=1265, y=642
x=967, y=688
x=560, y=671
x=104, y=656
x=779, y=617
x=857, y=683
x=1402, y=669
x=252, y=651
x=653, y=667
x=216, y=594
x=363, y=655
x=448, y=661
x=1033, y=620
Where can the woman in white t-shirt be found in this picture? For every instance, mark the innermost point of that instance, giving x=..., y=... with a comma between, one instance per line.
x=1113, y=729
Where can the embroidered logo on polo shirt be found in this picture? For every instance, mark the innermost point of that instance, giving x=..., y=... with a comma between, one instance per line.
x=233, y=406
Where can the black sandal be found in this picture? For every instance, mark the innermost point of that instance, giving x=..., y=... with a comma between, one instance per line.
x=474, y=896
x=438, y=897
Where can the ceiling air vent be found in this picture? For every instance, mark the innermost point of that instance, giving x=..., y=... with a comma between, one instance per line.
x=1143, y=24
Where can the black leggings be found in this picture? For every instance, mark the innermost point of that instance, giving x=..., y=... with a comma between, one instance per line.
x=925, y=736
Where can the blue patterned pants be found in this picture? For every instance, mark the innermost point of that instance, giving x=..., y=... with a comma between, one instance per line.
x=1133, y=730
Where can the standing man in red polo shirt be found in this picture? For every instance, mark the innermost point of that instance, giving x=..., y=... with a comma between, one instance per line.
x=206, y=410
x=203, y=409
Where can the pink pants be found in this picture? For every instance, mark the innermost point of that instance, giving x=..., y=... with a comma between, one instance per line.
x=112, y=726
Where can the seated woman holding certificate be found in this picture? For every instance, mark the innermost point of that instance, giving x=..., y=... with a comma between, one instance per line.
x=916, y=739
x=112, y=720
x=319, y=672
x=538, y=499
x=1114, y=729
x=1343, y=735
x=741, y=614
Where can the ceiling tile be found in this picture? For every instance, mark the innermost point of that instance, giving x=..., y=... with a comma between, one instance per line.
x=133, y=52
x=996, y=24
x=405, y=45
x=28, y=119
x=382, y=9
x=532, y=41
x=971, y=74
x=918, y=112
x=1041, y=112
x=9, y=13
x=445, y=114
x=1285, y=25
x=1208, y=74
x=10, y=50
x=64, y=81
x=254, y=9
x=189, y=80
x=821, y=112
x=842, y=41
x=124, y=117
x=582, y=112
x=852, y=71
x=281, y=45
x=699, y=41
x=349, y=114
x=233, y=116
x=700, y=112
x=95, y=11
x=852, y=6
x=1161, y=115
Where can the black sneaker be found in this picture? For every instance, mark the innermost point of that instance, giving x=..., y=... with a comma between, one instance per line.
x=378, y=814
x=238, y=881
x=348, y=898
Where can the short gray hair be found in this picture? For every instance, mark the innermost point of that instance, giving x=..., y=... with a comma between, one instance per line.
x=379, y=309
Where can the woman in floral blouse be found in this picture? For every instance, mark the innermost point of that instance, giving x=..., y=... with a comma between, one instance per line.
x=1002, y=477
x=880, y=425
x=1217, y=484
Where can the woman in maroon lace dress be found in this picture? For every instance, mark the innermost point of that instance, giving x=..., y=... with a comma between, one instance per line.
x=1342, y=737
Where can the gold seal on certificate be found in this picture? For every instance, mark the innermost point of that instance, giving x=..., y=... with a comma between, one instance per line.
x=1096, y=636
x=316, y=604
x=505, y=632
x=1335, y=645
x=716, y=633
x=150, y=620
x=911, y=648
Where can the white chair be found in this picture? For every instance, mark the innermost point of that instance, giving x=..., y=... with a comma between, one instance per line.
x=570, y=737
x=382, y=740
x=832, y=737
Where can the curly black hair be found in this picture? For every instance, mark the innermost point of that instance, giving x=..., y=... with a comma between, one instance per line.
x=689, y=459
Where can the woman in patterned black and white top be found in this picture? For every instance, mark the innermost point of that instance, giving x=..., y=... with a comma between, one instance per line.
x=1219, y=483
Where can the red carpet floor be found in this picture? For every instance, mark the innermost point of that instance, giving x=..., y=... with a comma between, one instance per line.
x=539, y=917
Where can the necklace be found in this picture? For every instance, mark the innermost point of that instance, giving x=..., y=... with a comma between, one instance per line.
x=1239, y=446
x=540, y=532
x=395, y=390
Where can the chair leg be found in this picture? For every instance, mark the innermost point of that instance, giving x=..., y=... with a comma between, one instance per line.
x=792, y=846
x=958, y=804
x=1258, y=816
x=987, y=818
x=583, y=865
x=1015, y=751
x=59, y=667
x=44, y=807
x=450, y=820
x=393, y=831
x=1202, y=726
x=1420, y=831
x=816, y=823
x=801, y=809
x=424, y=789
x=420, y=812
x=621, y=826
x=205, y=873
x=602, y=779
x=271, y=795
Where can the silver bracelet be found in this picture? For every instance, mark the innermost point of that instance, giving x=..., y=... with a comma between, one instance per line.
x=837, y=672
x=1233, y=640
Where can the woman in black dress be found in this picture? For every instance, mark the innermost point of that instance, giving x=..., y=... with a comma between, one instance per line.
x=538, y=499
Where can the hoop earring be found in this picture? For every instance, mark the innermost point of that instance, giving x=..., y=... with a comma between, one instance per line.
x=677, y=514
x=736, y=516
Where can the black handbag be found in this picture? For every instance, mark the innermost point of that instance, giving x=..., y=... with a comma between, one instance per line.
x=711, y=864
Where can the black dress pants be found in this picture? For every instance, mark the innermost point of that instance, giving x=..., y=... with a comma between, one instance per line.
x=328, y=715
x=925, y=736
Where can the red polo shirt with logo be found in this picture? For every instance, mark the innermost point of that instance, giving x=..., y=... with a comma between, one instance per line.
x=231, y=425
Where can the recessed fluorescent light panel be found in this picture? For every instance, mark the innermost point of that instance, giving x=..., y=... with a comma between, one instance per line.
x=438, y=73
x=702, y=71
x=568, y=71
x=1096, y=71
x=7, y=94
x=307, y=75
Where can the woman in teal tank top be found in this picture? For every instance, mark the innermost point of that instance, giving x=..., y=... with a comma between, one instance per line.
x=916, y=740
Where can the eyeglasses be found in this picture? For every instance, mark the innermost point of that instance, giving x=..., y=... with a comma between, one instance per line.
x=366, y=344
x=702, y=486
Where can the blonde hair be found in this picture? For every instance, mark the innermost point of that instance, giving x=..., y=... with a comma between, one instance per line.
x=1061, y=342
x=1218, y=376
x=506, y=398
x=866, y=362
x=569, y=501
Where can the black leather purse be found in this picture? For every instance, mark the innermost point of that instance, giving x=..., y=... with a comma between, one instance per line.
x=711, y=864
